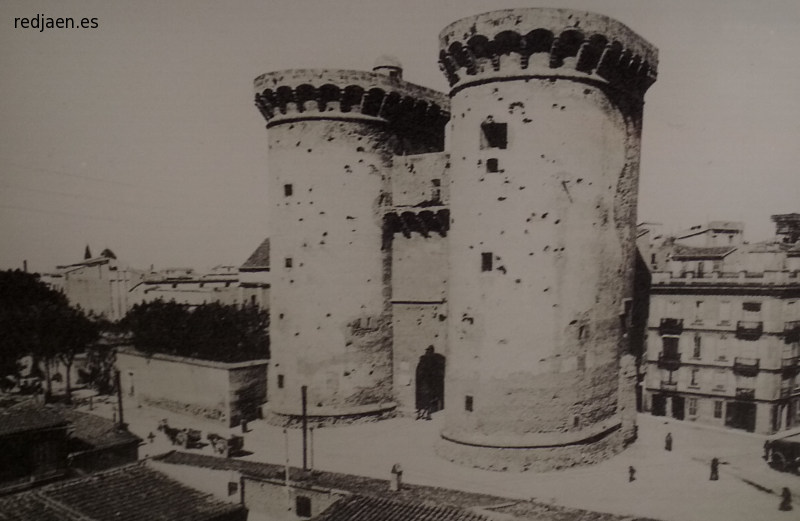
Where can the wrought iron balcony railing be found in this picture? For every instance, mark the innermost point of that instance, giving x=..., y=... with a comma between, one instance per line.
x=669, y=386
x=749, y=329
x=669, y=361
x=791, y=331
x=670, y=326
x=746, y=366
x=745, y=393
x=790, y=366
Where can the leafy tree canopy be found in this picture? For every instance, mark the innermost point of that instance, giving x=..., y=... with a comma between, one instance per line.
x=214, y=331
x=38, y=321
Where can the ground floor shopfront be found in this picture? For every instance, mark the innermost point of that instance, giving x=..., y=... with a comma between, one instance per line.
x=762, y=417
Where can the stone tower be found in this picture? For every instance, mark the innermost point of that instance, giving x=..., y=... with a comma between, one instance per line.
x=332, y=136
x=546, y=123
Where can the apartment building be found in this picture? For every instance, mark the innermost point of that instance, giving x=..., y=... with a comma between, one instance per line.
x=723, y=332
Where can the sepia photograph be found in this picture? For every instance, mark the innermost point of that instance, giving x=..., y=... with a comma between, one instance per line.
x=353, y=260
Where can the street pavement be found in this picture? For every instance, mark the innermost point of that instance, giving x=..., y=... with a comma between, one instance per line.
x=669, y=485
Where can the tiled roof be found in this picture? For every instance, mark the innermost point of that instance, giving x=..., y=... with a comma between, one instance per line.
x=681, y=252
x=30, y=506
x=131, y=493
x=259, y=259
x=28, y=417
x=362, y=508
x=96, y=431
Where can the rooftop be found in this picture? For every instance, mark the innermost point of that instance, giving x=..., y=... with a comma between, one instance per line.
x=682, y=252
x=362, y=508
x=27, y=417
x=97, y=432
x=259, y=259
x=130, y=493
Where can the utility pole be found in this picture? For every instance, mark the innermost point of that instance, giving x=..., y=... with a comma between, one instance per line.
x=304, y=391
x=286, y=470
x=119, y=399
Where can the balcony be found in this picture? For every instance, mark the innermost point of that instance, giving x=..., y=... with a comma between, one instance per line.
x=745, y=366
x=790, y=366
x=749, y=329
x=791, y=331
x=670, y=326
x=745, y=393
x=669, y=386
x=669, y=361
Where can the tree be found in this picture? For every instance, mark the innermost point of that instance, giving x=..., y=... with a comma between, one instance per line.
x=215, y=331
x=79, y=331
x=38, y=321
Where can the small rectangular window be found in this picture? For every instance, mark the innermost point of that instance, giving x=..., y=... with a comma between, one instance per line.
x=692, y=406
x=494, y=135
x=698, y=311
x=288, y=190
x=752, y=307
x=698, y=342
x=233, y=487
x=694, y=376
x=724, y=311
x=492, y=165
x=302, y=506
x=288, y=262
x=486, y=261
x=280, y=381
x=468, y=403
x=717, y=409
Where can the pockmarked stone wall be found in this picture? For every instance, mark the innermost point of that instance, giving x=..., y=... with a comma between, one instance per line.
x=544, y=148
x=332, y=136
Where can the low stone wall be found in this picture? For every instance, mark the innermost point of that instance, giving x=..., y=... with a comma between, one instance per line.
x=537, y=459
x=224, y=392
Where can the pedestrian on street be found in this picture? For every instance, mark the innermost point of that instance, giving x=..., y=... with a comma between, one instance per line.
x=668, y=442
x=714, y=469
x=631, y=473
x=786, y=500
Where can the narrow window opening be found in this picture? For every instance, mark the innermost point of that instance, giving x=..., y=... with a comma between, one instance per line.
x=486, y=261
x=468, y=403
x=280, y=381
x=492, y=165
x=288, y=262
x=717, y=409
x=698, y=342
x=302, y=506
x=494, y=135
x=288, y=190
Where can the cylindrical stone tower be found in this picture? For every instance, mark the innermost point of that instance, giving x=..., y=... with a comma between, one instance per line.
x=546, y=120
x=332, y=135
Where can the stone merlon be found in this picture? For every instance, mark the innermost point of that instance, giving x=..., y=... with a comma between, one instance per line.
x=546, y=42
x=333, y=94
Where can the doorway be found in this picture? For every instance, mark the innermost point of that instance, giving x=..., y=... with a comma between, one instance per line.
x=430, y=381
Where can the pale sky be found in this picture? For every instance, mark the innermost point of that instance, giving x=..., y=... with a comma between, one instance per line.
x=141, y=135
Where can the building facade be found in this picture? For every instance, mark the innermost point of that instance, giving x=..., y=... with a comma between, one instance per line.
x=723, y=334
x=510, y=252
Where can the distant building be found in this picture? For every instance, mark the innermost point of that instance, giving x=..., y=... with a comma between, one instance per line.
x=254, y=278
x=724, y=328
x=100, y=285
x=184, y=286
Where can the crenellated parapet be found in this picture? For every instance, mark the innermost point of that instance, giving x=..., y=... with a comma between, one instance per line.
x=343, y=94
x=540, y=42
